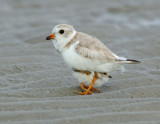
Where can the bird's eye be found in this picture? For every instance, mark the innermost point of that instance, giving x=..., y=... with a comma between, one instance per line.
x=61, y=31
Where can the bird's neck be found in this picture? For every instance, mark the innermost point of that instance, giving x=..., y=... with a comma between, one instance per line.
x=61, y=43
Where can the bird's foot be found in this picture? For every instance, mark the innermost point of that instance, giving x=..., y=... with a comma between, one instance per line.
x=92, y=89
x=85, y=87
x=85, y=93
x=85, y=90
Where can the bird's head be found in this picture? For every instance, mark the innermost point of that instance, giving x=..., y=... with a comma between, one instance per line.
x=62, y=33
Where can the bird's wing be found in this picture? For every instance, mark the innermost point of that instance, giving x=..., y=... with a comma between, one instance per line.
x=90, y=47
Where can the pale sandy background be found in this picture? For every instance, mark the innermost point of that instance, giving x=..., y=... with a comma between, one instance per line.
x=37, y=87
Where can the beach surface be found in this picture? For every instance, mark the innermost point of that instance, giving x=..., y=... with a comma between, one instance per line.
x=37, y=87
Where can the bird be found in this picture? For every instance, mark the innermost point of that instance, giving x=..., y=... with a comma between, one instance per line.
x=86, y=77
x=91, y=61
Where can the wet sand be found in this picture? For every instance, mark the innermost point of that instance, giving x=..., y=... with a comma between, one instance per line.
x=37, y=87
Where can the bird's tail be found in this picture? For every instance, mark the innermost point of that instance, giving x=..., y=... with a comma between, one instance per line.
x=128, y=61
x=132, y=61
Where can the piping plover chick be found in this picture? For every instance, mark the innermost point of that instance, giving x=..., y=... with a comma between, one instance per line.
x=85, y=53
x=86, y=77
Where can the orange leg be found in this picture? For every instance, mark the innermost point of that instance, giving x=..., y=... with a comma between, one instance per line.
x=89, y=88
x=84, y=88
x=92, y=89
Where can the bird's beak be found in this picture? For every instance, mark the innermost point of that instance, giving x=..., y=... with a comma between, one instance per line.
x=51, y=36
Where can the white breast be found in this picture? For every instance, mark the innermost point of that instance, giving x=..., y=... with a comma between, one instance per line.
x=76, y=61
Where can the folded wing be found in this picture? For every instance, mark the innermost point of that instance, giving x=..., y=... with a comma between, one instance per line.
x=90, y=47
